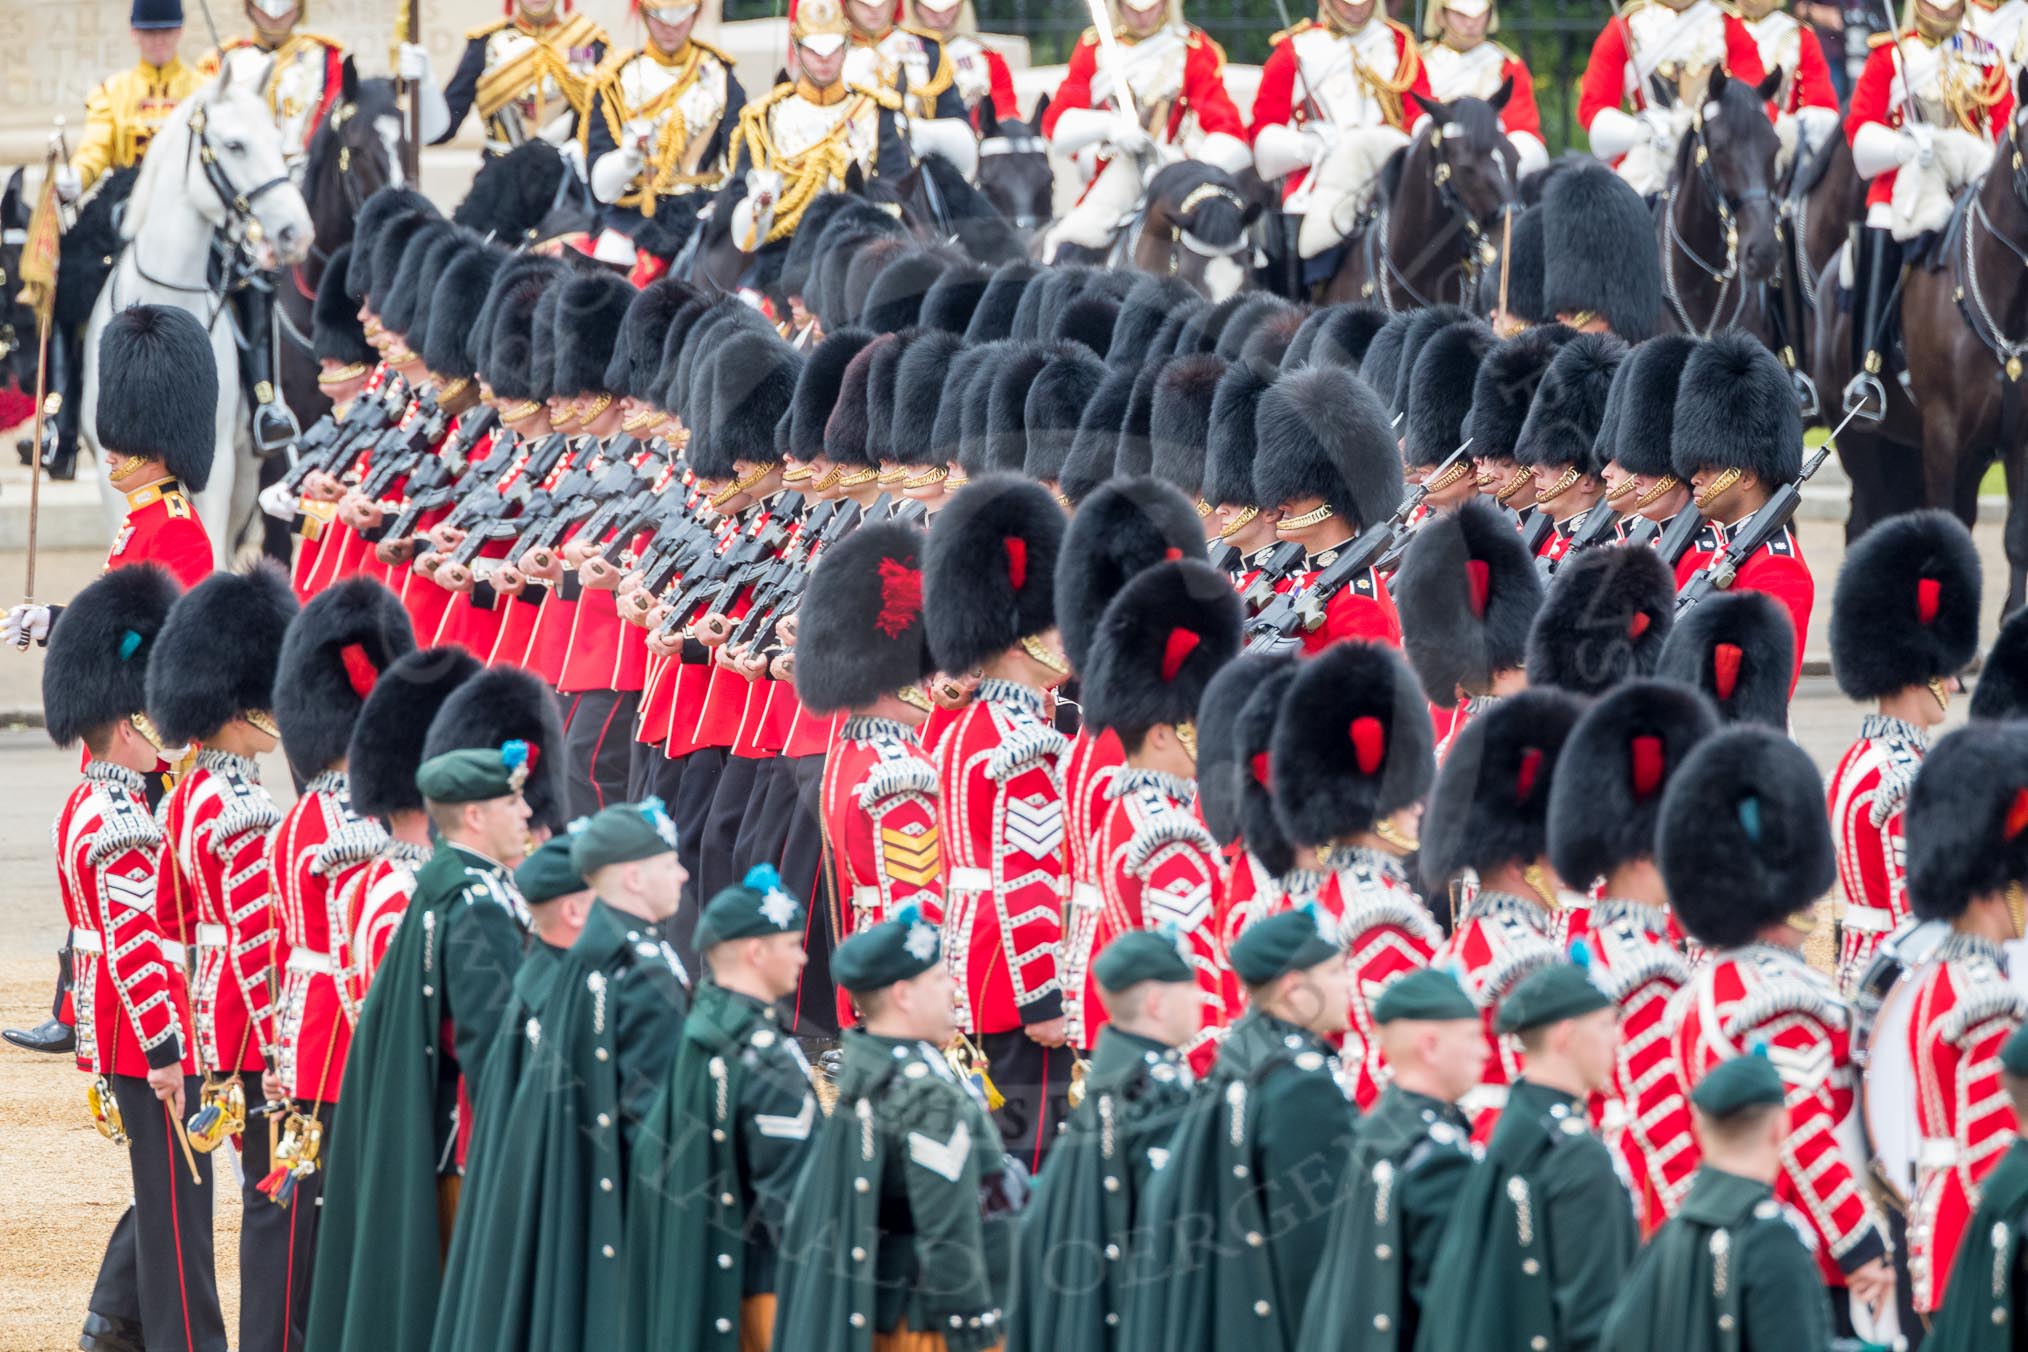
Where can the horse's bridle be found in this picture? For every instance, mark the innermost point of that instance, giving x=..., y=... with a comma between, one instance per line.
x=1197, y=196
x=1728, y=221
x=1475, y=256
x=239, y=205
x=1017, y=145
x=1971, y=296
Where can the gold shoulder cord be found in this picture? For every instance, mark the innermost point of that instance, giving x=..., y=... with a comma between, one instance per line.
x=804, y=178
x=1388, y=92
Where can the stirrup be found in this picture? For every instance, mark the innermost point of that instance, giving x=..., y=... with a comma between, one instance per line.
x=274, y=428
x=1806, y=393
x=1866, y=397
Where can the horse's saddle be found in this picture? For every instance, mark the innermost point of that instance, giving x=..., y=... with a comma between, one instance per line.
x=1933, y=250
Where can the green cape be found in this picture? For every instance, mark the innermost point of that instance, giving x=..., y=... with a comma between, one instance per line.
x=1236, y=1220
x=1986, y=1276
x=713, y=1166
x=1071, y=1258
x=379, y=1260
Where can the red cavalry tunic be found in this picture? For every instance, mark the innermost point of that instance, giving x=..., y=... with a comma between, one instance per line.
x=1766, y=994
x=1275, y=102
x=1776, y=568
x=1386, y=933
x=1964, y=1012
x=1647, y=1115
x=214, y=882
x=1202, y=97
x=1874, y=98
x=133, y=1003
x=1000, y=817
x=1611, y=78
x=882, y=850
x=1500, y=938
x=1867, y=796
x=1094, y=761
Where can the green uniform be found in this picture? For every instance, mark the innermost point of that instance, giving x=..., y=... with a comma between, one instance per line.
x=713, y=1167
x=1983, y=1311
x=1072, y=1253
x=542, y=1268
x=1726, y=1273
x=1411, y=1156
x=450, y=966
x=1237, y=1218
x=891, y=1221
x=1541, y=1236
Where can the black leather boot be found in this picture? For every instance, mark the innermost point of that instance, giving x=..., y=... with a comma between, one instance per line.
x=274, y=427
x=1872, y=327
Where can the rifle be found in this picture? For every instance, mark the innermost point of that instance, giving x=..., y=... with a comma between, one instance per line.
x=1761, y=527
x=1597, y=529
x=726, y=573
x=578, y=498
x=782, y=588
x=1536, y=527
x=400, y=451
x=1280, y=562
x=1675, y=542
x=1268, y=630
x=432, y=484
x=1643, y=533
x=330, y=441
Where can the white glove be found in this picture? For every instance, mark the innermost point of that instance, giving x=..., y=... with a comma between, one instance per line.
x=278, y=502
x=1531, y=153
x=1661, y=130
x=614, y=170
x=1918, y=146
x=26, y=623
x=754, y=214
x=412, y=62
x=1878, y=148
x=1127, y=136
x=1077, y=128
x=68, y=184
x=1280, y=150
x=1818, y=125
x=951, y=138
x=1613, y=133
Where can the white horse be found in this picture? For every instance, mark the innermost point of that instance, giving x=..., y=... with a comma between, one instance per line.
x=213, y=180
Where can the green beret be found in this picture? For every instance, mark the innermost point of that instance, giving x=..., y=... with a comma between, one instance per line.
x=755, y=907
x=898, y=949
x=548, y=873
x=1289, y=941
x=1549, y=995
x=1426, y=995
x=1141, y=955
x=1749, y=1081
x=2014, y=1052
x=474, y=775
x=621, y=834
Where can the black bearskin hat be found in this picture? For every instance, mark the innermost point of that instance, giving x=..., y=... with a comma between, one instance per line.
x=508, y=322
x=1650, y=375
x=867, y=262
x=513, y=194
x=1744, y=842
x=1252, y=741
x=883, y=377
x=975, y=402
x=506, y=704
x=1201, y=332
x=1159, y=644
x=1353, y=743
x=96, y=669
x=1967, y=822
x=1260, y=308
x=387, y=742
x=1467, y=592
x=1440, y=391
x=1088, y=320
x=1423, y=325
x=1267, y=346
x=1219, y=770
x=1123, y=528
x=953, y=298
x=389, y=243
x=989, y=570
x=1338, y=335
x=1180, y=425
x=1570, y=403
x=637, y=355
x=752, y=386
x=1735, y=406
x=895, y=298
x=408, y=293
x=1491, y=804
x=1168, y=337
x=1505, y=389
x=1604, y=620
x=158, y=390
x=1095, y=448
x=1007, y=403
x=1906, y=608
x=1740, y=649
x=861, y=631
x=1230, y=444
x=946, y=432
x=335, y=331
x=1150, y=302
x=1055, y=405
x=1598, y=251
x=383, y=208
x=590, y=310
x=1381, y=360
x=820, y=393
x=921, y=380
x=1043, y=301
x=217, y=656
x=541, y=345
x=332, y=657
x=1323, y=433
x=1615, y=767
x=2002, y=689
x=848, y=431
x=451, y=345
x=994, y=316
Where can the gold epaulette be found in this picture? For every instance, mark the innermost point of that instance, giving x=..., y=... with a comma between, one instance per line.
x=1300, y=26
x=177, y=505
x=1880, y=39
x=1630, y=7
x=1727, y=7
x=886, y=98
x=581, y=30
x=487, y=30
x=333, y=43
x=609, y=69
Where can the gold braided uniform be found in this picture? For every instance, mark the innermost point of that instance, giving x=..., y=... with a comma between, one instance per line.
x=123, y=114
x=684, y=97
x=811, y=137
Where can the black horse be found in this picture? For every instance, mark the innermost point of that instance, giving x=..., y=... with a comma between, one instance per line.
x=1015, y=174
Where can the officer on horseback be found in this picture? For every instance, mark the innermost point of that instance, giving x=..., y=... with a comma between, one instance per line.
x=980, y=74
x=914, y=64
x=663, y=118
x=531, y=75
x=1806, y=105
x=1461, y=60
x=1657, y=56
x=1932, y=100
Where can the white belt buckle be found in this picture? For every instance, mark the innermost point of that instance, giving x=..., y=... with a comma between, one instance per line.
x=210, y=935
x=1087, y=897
x=86, y=941
x=1867, y=919
x=311, y=963
x=970, y=879
x=1937, y=1152
x=175, y=952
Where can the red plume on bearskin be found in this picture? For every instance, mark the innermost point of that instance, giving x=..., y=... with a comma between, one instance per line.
x=860, y=631
x=1468, y=592
x=1740, y=649
x=1491, y=802
x=1352, y=744
x=1158, y=645
x=1614, y=771
x=1906, y=607
x=1967, y=820
x=971, y=612
x=335, y=650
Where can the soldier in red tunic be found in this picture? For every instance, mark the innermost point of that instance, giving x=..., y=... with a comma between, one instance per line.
x=1353, y=759
x=988, y=578
x=1557, y=442
x=1967, y=860
x=1640, y=447
x=1745, y=851
x=1171, y=628
x=1437, y=413
x=210, y=682
x=1738, y=437
x=1490, y=814
x=861, y=653
x=157, y=1286
x=1230, y=450
x=1603, y=808
x=1679, y=42
x=155, y=421
x=1738, y=650
x=1120, y=530
x=1329, y=462
x=1904, y=623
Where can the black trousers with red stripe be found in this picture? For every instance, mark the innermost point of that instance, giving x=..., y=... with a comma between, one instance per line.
x=718, y=868
x=599, y=740
x=277, y=1244
x=786, y=830
x=1035, y=1081
x=158, y=1272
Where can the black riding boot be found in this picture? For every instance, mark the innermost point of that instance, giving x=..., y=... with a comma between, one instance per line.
x=66, y=382
x=1873, y=323
x=274, y=427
